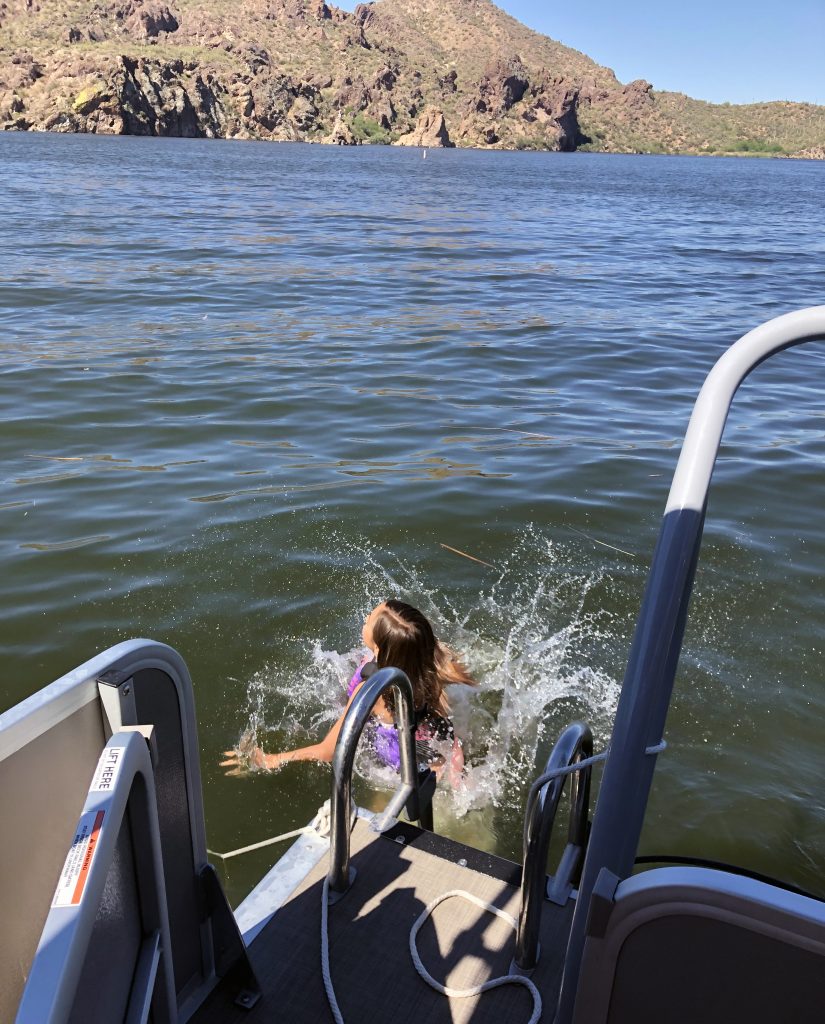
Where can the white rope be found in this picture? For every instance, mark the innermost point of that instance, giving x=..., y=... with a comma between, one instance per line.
x=464, y=993
x=569, y=769
x=325, y=971
x=453, y=993
x=459, y=993
x=320, y=824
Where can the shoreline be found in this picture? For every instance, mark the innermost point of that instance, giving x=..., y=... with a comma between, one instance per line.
x=729, y=154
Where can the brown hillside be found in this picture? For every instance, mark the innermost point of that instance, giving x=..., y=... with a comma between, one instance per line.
x=421, y=72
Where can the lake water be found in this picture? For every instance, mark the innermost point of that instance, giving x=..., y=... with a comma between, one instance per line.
x=249, y=390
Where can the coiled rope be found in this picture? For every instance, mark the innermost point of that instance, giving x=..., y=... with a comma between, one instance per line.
x=474, y=990
x=453, y=993
x=321, y=825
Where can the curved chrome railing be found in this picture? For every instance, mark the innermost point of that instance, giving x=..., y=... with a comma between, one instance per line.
x=574, y=744
x=657, y=642
x=357, y=716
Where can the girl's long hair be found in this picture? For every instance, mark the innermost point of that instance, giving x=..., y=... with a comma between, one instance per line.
x=405, y=640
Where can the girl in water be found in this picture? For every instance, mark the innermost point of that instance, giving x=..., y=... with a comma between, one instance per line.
x=400, y=636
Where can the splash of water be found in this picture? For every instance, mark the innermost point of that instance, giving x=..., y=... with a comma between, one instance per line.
x=532, y=639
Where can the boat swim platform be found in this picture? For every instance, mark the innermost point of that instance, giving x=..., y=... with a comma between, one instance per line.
x=398, y=874
x=115, y=913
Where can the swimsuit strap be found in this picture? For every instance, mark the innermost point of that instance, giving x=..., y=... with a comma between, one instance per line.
x=421, y=714
x=370, y=668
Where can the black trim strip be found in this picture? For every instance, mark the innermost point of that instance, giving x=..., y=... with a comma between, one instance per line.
x=732, y=869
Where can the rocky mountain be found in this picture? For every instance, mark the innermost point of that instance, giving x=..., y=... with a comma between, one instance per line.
x=409, y=72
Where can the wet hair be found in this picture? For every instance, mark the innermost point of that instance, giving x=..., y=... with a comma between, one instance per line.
x=405, y=640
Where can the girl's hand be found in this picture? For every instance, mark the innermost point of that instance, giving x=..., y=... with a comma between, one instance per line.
x=251, y=760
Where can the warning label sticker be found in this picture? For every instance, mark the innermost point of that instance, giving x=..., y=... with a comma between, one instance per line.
x=78, y=864
x=107, y=770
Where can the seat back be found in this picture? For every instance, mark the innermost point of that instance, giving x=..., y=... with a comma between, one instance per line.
x=681, y=945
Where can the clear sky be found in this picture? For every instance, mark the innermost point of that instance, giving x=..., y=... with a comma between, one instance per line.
x=735, y=51
x=739, y=51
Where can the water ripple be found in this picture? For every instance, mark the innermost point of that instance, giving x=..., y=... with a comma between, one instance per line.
x=410, y=359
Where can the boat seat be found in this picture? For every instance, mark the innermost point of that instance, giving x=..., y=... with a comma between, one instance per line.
x=679, y=945
x=50, y=750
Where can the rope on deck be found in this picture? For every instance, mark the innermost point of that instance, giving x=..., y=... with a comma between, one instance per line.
x=461, y=993
x=325, y=972
x=464, y=993
x=453, y=993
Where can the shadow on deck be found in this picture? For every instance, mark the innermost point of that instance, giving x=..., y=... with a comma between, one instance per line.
x=398, y=875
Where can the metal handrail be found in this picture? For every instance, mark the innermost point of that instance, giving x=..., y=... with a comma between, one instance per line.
x=575, y=744
x=357, y=716
x=657, y=641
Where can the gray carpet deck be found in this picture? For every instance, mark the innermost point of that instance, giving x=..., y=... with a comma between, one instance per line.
x=371, y=968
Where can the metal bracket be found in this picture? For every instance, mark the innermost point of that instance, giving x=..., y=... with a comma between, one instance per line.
x=560, y=885
x=601, y=903
x=419, y=807
x=333, y=896
x=231, y=955
x=524, y=972
x=113, y=677
x=148, y=733
x=117, y=696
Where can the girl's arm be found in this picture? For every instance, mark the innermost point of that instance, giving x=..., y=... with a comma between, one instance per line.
x=322, y=751
x=452, y=768
x=457, y=757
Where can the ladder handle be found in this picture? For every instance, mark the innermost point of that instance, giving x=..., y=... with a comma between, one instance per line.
x=355, y=720
x=574, y=744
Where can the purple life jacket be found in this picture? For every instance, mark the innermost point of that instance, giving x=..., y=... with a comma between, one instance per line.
x=383, y=738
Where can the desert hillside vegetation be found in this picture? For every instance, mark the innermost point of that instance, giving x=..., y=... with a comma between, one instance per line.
x=409, y=72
